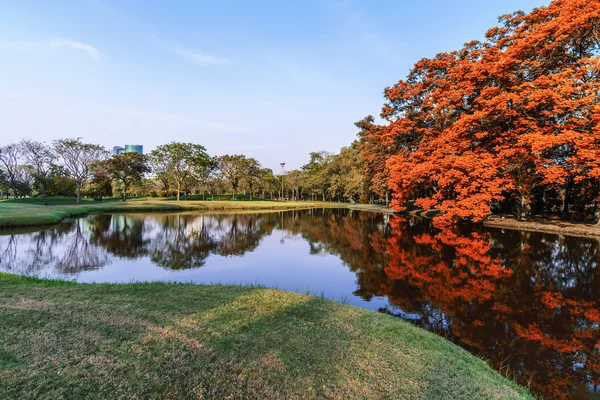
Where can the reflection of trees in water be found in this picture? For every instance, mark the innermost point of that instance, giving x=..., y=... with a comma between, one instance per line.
x=241, y=233
x=179, y=241
x=66, y=248
x=182, y=242
x=121, y=235
x=80, y=255
x=174, y=241
x=528, y=302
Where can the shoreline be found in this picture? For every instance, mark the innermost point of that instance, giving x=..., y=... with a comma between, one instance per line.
x=544, y=225
x=30, y=215
x=534, y=224
x=22, y=214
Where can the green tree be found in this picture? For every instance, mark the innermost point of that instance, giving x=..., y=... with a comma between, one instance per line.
x=268, y=183
x=60, y=183
x=294, y=179
x=160, y=167
x=78, y=159
x=181, y=161
x=205, y=174
x=252, y=174
x=41, y=158
x=101, y=182
x=4, y=185
x=316, y=173
x=127, y=168
x=24, y=179
x=233, y=169
x=10, y=159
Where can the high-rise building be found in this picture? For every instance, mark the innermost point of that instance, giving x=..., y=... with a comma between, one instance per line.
x=134, y=148
x=129, y=148
x=117, y=150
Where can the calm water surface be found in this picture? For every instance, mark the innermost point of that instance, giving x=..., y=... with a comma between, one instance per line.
x=529, y=303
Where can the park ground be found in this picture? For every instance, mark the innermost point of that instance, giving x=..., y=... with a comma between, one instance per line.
x=69, y=340
x=32, y=212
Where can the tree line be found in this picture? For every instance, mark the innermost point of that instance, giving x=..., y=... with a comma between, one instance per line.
x=71, y=167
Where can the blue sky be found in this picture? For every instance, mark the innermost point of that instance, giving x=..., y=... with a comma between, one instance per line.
x=271, y=79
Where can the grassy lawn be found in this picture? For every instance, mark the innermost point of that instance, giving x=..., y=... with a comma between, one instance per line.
x=68, y=340
x=30, y=212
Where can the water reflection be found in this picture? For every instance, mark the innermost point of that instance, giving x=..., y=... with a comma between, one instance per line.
x=527, y=302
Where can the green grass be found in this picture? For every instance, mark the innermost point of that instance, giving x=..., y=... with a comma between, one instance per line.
x=68, y=340
x=31, y=211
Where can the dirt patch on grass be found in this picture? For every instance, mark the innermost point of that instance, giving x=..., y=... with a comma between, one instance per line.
x=159, y=333
x=28, y=304
x=272, y=361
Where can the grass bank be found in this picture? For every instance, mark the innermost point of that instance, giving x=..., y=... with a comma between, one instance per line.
x=30, y=212
x=68, y=340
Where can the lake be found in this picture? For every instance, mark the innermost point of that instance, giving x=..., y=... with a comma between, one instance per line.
x=526, y=302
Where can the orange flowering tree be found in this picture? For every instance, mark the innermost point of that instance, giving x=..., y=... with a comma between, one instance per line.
x=497, y=119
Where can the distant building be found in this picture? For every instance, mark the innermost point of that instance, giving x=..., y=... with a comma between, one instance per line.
x=134, y=148
x=117, y=150
x=129, y=148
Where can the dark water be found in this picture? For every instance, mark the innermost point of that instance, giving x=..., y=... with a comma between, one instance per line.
x=529, y=303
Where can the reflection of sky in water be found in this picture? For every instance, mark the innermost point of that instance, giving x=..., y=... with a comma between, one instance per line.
x=282, y=260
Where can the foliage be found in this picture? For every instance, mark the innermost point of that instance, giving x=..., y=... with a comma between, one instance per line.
x=41, y=158
x=10, y=158
x=126, y=168
x=181, y=163
x=233, y=169
x=78, y=159
x=375, y=154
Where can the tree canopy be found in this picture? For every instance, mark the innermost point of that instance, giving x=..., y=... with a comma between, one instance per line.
x=180, y=162
x=126, y=168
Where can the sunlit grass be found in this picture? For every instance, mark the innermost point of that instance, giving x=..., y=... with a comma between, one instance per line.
x=67, y=340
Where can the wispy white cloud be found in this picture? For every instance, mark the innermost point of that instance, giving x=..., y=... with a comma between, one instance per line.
x=71, y=44
x=200, y=58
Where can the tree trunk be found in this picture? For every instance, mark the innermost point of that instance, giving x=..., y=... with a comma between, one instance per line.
x=124, y=192
x=524, y=208
x=567, y=197
x=78, y=193
x=178, y=189
x=44, y=194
